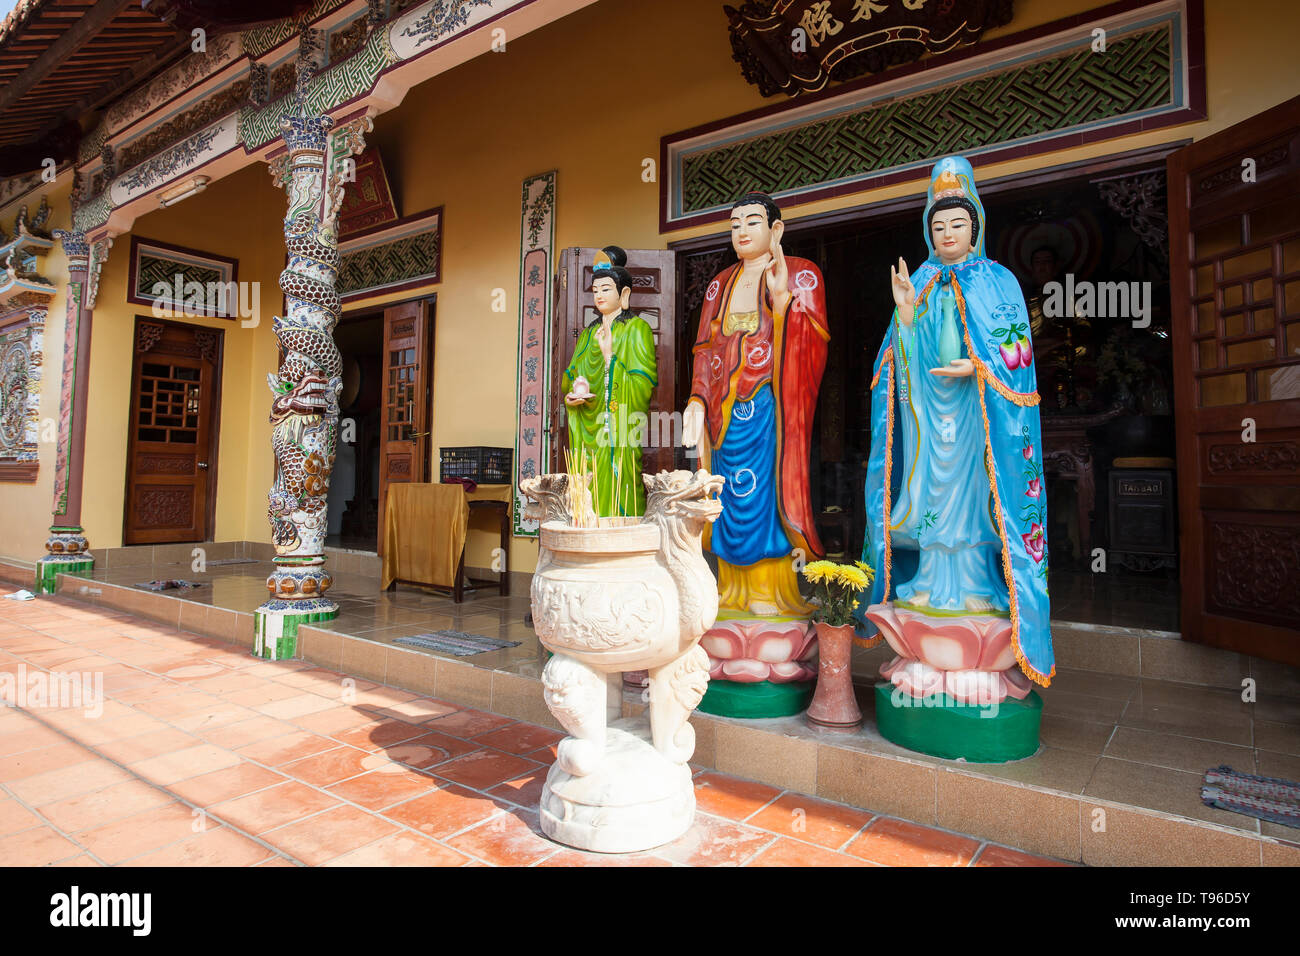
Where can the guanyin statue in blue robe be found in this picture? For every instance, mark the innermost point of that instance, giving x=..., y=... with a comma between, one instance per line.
x=956, y=509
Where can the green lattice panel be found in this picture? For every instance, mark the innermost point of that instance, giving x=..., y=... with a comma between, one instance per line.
x=153, y=269
x=1047, y=96
x=398, y=261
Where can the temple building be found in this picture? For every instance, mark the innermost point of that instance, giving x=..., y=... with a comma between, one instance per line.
x=374, y=223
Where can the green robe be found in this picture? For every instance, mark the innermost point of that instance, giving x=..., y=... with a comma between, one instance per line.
x=619, y=403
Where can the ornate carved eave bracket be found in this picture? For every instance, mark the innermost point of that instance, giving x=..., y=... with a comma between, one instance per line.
x=800, y=47
x=1141, y=200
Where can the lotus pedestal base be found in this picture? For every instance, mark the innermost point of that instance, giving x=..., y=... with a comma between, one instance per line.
x=636, y=799
x=759, y=666
x=276, y=623
x=939, y=726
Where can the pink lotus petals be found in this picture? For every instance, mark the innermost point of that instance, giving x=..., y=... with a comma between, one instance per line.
x=1035, y=542
x=1011, y=354
x=1035, y=488
x=749, y=651
x=1026, y=351
x=968, y=658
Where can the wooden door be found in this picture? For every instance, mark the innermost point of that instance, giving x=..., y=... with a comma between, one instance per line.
x=172, y=442
x=1234, y=225
x=654, y=284
x=406, y=407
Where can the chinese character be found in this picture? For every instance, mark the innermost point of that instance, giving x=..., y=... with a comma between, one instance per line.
x=530, y=368
x=530, y=405
x=532, y=339
x=530, y=436
x=863, y=9
x=535, y=276
x=533, y=308
x=819, y=23
x=529, y=470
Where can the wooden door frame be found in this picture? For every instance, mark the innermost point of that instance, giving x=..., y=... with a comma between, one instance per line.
x=214, y=427
x=1196, y=623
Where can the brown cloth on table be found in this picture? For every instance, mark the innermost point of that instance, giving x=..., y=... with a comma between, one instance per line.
x=425, y=527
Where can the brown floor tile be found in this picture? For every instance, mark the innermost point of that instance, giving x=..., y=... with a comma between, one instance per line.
x=329, y=834
x=425, y=751
x=544, y=755
x=445, y=811
x=899, y=843
x=421, y=709
x=329, y=767
x=469, y=723
x=146, y=745
x=815, y=821
x=505, y=840
x=519, y=738
x=787, y=852
x=15, y=817
x=336, y=720
x=389, y=784
x=291, y=708
x=380, y=735
x=526, y=790
x=729, y=797
x=567, y=857
x=213, y=847
x=483, y=768
x=182, y=764
x=401, y=849
x=54, y=785
x=994, y=855
x=245, y=732
x=140, y=833
x=713, y=841
x=32, y=762
x=103, y=806
x=211, y=788
x=261, y=811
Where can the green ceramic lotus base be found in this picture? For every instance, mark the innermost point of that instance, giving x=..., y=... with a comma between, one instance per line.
x=939, y=726
x=726, y=698
x=275, y=626
x=51, y=566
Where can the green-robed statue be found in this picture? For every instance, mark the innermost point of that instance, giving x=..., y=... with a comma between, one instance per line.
x=607, y=389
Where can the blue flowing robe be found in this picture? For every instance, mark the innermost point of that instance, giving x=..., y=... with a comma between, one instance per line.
x=954, y=492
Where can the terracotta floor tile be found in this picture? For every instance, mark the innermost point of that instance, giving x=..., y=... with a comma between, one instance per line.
x=401, y=849
x=815, y=821
x=389, y=784
x=140, y=833
x=54, y=785
x=146, y=745
x=484, y=768
x=84, y=860
x=899, y=843
x=261, y=691
x=299, y=706
x=245, y=732
x=526, y=790
x=214, y=847
x=211, y=788
x=175, y=705
x=329, y=767
x=544, y=755
x=329, y=834
x=520, y=738
x=336, y=720
x=445, y=811
x=275, y=751
x=421, y=709
x=120, y=729
x=104, y=806
x=380, y=735
x=787, y=852
x=505, y=840
x=24, y=734
x=568, y=857
x=220, y=714
x=261, y=811
x=182, y=764
x=730, y=797
x=38, y=846
x=424, y=752
x=32, y=762
x=15, y=817
x=1004, y=856
x=712, y=841
x=469, y=723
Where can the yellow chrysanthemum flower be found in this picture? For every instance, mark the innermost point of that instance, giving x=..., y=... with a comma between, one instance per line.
x=819, y=571
x=866, y=569
x=855, y=579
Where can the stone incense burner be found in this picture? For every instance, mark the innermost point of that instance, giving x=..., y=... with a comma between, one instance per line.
x=627, y=594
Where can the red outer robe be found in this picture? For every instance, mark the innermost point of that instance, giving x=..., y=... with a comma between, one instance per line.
x=798, y=359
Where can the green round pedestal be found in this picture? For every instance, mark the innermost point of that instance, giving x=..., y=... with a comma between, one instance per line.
x=939, y=726
x=726, y=698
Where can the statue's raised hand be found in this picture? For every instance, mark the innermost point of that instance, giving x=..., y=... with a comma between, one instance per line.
x=778, y=270
x=904, y=291
x=957, y=368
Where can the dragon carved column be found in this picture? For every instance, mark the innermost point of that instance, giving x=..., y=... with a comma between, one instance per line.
x=304, y=410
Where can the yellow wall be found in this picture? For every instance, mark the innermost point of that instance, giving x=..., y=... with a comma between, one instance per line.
x=590, y=95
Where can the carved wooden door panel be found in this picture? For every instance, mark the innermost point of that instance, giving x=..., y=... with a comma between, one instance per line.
x=407, y=394
x=654, y=284
x=1235, y=261
x=172, y=442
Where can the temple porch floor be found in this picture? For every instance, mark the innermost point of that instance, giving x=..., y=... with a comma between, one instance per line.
x=1131, y=721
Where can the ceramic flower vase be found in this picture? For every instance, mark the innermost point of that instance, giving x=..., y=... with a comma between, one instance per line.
x=834, y=703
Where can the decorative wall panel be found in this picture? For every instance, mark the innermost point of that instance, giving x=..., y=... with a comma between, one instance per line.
x=386, y=259
x=174, y=278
